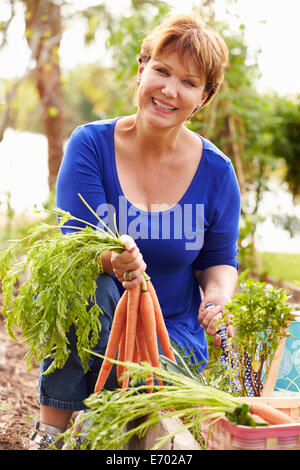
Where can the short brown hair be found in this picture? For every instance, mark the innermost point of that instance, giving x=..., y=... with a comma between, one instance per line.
x=189, y=34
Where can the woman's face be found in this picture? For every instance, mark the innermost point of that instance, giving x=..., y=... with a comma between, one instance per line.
x=169, y=89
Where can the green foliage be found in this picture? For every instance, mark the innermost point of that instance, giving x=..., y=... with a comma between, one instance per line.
x=59, y=291
x=240, y=416
x=282, y=266
x=237, y=95
x=260, y=315
x=188, y=361
x=215, y=375
x=286, y=139
x=109, y=412
x=128, y=32
x=91, y=93
x=24, y=110
x=246, y=243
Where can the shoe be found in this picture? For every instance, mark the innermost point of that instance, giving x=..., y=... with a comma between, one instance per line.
x=76, y=438
x=44, y=436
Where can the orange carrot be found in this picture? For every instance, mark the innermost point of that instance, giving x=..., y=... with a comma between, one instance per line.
x=137, y=322
x=161, y=329
x=269, y=414
x=132, y=316
x=141, y=342
x=143, y=351
x=149, y=326
x=136, y=356
x=113, y=341
x=121, y=350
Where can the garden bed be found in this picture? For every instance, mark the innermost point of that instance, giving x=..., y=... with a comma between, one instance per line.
x=18, y=393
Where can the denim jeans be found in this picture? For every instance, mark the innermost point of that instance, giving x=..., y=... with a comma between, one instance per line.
x=68, y=387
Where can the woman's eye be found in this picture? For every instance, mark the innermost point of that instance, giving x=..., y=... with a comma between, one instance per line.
x=163, y=71
x=189, y=83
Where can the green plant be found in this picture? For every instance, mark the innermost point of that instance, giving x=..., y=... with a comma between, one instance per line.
x=108, y=413
x=260, y=315
x=59, y=291
x=215, y=375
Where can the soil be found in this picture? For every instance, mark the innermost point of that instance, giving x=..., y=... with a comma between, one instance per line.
x=18, y=393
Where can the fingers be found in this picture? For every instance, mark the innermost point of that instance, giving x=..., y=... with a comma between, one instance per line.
x=209, y=317
x=217, y=338
x=217, y=341
x=211, y=320
x=128, y=242
x=130, y=260
x=131, y=284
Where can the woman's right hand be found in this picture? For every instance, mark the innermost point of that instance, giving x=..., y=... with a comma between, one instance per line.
x=130, y=260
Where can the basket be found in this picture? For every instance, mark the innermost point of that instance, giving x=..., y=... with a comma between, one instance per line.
x=223, y=435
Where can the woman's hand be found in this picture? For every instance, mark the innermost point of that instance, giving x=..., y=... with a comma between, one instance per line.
x=218, y=284
x=209, y=317
x=130, y=260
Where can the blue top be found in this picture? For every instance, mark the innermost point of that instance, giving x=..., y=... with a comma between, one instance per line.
x=200, y=231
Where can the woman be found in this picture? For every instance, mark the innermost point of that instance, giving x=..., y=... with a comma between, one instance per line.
x=175, y=197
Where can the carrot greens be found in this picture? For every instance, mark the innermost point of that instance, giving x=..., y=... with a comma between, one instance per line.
x=105, y=421
x=56, y=284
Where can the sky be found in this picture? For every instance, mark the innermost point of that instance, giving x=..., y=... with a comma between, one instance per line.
x=271, y=26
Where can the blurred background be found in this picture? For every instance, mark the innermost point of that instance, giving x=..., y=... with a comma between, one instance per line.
x=63, y=63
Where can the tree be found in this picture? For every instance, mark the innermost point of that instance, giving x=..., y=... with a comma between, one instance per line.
x=45, y=21
x=286, y=139
x=43, y=34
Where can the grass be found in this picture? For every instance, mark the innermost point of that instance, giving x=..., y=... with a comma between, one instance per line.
x=282, y=266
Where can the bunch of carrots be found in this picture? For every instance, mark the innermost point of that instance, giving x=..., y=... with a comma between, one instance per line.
x=138, y=322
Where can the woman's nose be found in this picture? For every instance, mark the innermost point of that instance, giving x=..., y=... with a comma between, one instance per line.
x=170, y=89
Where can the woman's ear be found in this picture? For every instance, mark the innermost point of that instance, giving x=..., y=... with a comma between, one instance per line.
x=140, y=70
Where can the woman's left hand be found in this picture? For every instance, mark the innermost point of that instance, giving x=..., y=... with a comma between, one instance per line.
x=209, y=317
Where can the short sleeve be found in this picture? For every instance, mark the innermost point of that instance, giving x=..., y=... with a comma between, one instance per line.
x=221, y=235
x=80, y=173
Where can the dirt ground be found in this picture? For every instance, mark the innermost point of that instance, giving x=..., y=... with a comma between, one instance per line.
x=18, y=393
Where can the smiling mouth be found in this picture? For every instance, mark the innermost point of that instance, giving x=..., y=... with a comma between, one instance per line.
x=161, y=105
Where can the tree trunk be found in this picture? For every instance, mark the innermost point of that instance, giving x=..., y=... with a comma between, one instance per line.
x=235, y=151
x=43, y=33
